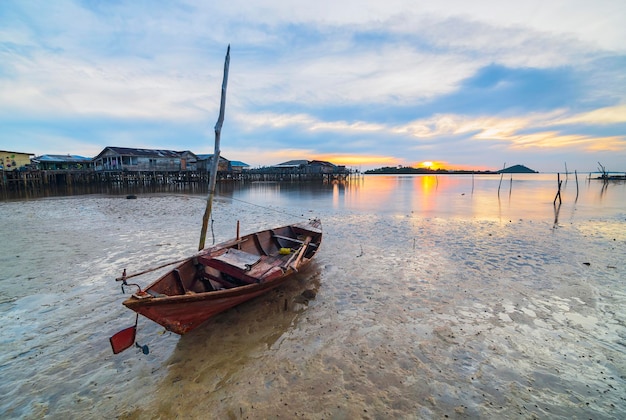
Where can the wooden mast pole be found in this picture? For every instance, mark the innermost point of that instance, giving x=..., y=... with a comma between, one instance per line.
x=216, y=155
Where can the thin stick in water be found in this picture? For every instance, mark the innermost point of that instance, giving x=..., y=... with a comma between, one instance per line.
x=501, y=175
x=576, y=175
x=558, y=193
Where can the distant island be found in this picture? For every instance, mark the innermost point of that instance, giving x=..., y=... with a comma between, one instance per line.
x=517, y=169
x=404, y=170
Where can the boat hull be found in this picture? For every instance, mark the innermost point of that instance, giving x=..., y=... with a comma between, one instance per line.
x=226, y=275
x=183, y=314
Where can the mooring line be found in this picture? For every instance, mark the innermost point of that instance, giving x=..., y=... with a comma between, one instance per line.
x=258, y=205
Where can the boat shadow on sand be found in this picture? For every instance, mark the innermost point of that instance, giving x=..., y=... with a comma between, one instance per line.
x=212, y=357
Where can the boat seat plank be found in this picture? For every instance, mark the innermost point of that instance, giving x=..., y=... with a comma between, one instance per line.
x=239, y=259
x=255, y=274
x=295, y=240
x=264, y=267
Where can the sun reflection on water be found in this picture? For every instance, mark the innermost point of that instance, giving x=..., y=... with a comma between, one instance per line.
x=484, y=197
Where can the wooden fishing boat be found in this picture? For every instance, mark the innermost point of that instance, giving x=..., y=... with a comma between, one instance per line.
x=222, y=276
x=226, y=275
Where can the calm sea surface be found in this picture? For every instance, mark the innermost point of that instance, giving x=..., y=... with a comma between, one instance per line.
x=447, y=296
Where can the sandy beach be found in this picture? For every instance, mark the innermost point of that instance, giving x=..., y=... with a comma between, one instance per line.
x=419, y=311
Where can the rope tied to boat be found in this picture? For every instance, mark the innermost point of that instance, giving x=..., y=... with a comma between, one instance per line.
x=125, y=283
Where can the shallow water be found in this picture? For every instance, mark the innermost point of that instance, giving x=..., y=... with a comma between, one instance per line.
x=434, y=297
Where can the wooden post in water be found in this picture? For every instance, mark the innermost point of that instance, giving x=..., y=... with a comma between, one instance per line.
x=558, y=194
x=576, y=175
x=501, y=175
x=216, y=155
x=557, y=208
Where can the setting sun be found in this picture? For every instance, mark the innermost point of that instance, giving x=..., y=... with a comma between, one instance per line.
x=429, y=164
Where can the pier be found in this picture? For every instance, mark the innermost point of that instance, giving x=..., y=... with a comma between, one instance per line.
x=39, y=181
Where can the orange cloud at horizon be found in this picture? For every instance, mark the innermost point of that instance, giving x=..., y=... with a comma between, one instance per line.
x=442, y=164
x=374, y=162
x=359, y=160
x=554, y=140
x=264, y=157
x=363, y=162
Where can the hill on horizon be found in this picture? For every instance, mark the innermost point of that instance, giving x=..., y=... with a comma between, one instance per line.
x=517, y=169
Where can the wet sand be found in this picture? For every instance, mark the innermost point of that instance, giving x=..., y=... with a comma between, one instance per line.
x=400, y=316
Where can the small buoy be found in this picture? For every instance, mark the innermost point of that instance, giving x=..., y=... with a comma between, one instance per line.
x=285, y=251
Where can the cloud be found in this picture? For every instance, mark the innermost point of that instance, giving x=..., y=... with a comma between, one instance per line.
x=530, y=131
x=391, y=81
x=524, y=131
x=601, y=116
x=305, y=122
x=599, y=23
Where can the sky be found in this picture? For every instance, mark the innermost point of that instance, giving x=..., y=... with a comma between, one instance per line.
x=452, y=84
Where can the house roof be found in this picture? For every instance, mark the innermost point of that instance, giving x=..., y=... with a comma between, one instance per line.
x=62, y=158
x=187, y=152
x=239, y=163
x=127, y=151
x=292, y=164
x=322, y=163
x=209, y=156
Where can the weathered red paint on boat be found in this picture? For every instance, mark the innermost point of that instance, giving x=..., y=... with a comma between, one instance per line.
x=183, y=314
x=178, y=301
